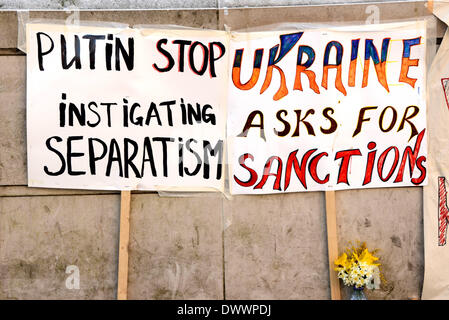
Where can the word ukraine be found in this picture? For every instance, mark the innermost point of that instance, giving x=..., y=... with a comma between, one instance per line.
x=305, y=58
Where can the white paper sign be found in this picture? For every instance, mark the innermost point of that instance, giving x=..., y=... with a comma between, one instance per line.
x=111, y=108
x=327, y=109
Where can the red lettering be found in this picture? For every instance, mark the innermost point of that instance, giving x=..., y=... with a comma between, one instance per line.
x=443, y=211
x=344, y=165
x=299, y=170
x=253, y=174
x=370, y=163
x=267, y=173
x=411, y=156
x=381, y=162
x=313, y=168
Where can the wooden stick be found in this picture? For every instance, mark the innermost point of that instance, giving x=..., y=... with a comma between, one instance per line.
x=332, y=243
x=430, y=6
x=122, y=283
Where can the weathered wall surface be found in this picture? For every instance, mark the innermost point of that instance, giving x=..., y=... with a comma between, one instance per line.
x=247, y=247
x=41, y=236
x=276, y=247
x=176, y=248
x=167, y=4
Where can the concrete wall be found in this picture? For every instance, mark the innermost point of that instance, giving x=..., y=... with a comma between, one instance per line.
x=166, y=4
x=250, y=247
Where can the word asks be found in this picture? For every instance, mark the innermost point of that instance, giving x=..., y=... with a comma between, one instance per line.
x=200, y=57
x=308, y=166
x=306, y=57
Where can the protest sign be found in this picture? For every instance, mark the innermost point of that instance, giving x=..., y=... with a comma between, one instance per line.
x=327, y=109
x=120, y=108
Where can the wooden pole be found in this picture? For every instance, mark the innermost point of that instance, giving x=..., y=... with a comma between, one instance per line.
x=332, y=243
x=430, y=6
x=122, y=283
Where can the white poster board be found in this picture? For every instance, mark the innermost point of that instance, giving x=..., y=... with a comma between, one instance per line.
x=125, y=109
x=327, y=109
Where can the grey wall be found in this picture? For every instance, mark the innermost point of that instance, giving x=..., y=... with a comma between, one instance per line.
x=166, y=4
x=250, y=247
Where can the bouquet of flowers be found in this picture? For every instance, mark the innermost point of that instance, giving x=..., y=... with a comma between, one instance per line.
x=357, y=267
